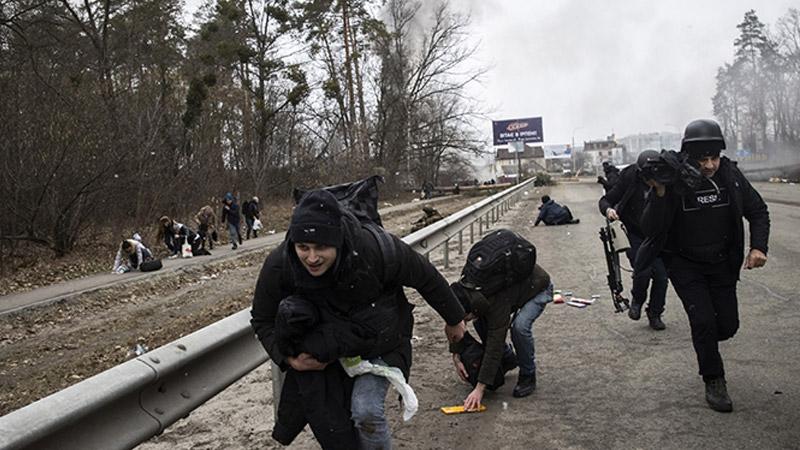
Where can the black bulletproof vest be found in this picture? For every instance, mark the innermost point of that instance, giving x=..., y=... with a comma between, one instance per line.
x=703, y=227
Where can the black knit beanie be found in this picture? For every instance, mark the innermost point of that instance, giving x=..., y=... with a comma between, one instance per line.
x=317, y=219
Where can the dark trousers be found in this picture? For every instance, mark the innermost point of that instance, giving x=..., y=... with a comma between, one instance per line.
x=641, y=280
x=173, y=244
x=320, y=398
x=250, y=221
x=205, y=236
x=708, y=293
x=481, y=328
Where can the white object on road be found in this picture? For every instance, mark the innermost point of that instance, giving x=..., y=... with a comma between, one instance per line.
x=186, y=249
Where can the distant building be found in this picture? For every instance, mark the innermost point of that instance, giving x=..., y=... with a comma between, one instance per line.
x=531, y=160
x=635, y=144
x=595, y=152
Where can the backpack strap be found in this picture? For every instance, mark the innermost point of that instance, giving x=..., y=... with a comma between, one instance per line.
x=388, y=250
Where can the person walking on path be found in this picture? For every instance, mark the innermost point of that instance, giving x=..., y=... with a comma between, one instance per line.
x=230, y=215
x=251, y=213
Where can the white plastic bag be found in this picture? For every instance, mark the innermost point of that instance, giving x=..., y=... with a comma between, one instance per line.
x=257, y=224
x=186, y=249
x=355, y=366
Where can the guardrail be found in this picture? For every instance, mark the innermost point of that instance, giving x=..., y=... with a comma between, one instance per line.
x=485, y=213
x=134, y=401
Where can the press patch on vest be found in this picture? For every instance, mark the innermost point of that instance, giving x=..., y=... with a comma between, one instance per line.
x=708, y=198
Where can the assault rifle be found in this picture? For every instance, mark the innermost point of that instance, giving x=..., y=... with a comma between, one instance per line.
x=615, y=241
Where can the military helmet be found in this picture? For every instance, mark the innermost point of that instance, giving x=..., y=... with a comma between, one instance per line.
x=703, y=132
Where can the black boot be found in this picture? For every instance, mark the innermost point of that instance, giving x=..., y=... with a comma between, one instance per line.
x=635, y=310
x=717, y=395
x=655, y=321
x=526, y=384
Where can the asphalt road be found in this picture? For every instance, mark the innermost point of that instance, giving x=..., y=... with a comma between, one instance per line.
x=604, y=381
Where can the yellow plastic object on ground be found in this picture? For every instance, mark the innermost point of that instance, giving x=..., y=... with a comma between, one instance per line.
x=460, y=409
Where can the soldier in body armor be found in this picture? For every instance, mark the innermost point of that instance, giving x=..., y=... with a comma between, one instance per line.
x=701, y=238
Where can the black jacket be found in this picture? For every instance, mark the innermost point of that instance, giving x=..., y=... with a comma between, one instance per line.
x=250, y=209
x=305, y=327
x=321, y=399
x=318, y=398
x=359, y=279
x=627, y=198
x=230, y=213
x=552, y=213
x=659, y=214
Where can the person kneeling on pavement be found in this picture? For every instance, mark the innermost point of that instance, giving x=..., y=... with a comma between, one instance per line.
x=131, y=254
x=175, y=234
x=551, y=213
x=517, y=307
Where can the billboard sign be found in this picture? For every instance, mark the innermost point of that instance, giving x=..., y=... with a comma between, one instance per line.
x=516, y=130
x=557, y=152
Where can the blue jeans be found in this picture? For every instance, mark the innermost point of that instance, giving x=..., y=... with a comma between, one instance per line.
x=522, y=330
x=368, y=411
x=233, y=233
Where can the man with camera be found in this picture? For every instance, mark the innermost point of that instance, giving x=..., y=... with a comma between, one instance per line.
x=625, y=201
x=696, y=223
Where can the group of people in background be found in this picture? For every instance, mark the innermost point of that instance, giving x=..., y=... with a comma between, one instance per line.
x=176, y=235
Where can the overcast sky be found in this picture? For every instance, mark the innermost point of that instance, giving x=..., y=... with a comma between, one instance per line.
x=590, y=68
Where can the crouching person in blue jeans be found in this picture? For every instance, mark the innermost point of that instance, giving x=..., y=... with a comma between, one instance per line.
x=517, y=306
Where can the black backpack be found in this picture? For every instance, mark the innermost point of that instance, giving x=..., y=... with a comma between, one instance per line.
x=497, y=261
x=151, y=265
x=359, y=197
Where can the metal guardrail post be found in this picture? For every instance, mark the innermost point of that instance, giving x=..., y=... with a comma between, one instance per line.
x=446, y=251
x=461, y=242
x=471, y=233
